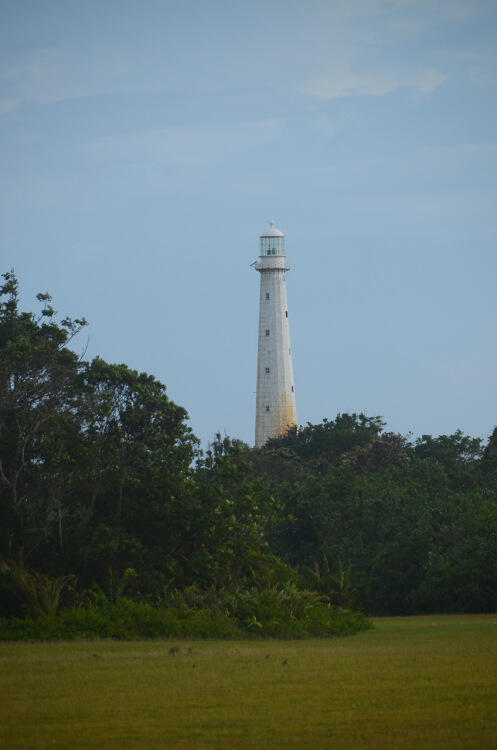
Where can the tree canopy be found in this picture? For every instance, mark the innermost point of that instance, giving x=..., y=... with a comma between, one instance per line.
x=103, y=484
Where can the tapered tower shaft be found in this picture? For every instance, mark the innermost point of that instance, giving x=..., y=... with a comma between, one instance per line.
x=276, y=410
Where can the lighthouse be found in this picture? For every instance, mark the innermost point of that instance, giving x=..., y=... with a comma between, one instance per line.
x=276, y=410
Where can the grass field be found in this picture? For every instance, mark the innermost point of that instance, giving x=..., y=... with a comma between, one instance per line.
x=414, y=682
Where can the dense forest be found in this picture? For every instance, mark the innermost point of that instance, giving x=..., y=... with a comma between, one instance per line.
x=105, y=496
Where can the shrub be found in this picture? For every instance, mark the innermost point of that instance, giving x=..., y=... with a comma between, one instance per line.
x=270, y=613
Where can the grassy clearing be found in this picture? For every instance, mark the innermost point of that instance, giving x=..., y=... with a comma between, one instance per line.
x=415, y=682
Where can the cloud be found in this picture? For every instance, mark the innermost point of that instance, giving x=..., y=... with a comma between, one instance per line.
x=8, y=105
x=34, y=76
x=46, y=76
x=340, y=83
x=187, y=145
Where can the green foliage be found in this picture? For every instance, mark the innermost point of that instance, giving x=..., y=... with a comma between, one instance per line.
x=39, y=593
x=322, y=446
x=123, y=620
x=104, y=494
x=258, y=616
x=415, y=533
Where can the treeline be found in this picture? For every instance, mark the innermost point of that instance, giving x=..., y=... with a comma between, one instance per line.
x=397, y=527
x=105, y=496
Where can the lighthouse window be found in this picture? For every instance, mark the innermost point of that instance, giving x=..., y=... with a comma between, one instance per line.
x=267, y=331
x=267, y=370
x=292, y=389
x=267, y=295
x=286, y=313
x=267, y=408
x=268, y=252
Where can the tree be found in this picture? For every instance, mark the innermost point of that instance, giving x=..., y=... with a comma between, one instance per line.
x=136, y=471
x=319, y=447
x=95, y=468
x=38, y=393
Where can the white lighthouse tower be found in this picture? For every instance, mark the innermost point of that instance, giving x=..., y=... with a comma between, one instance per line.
x=276, y=410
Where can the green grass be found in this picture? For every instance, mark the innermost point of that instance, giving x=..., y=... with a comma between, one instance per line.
x=414, y=682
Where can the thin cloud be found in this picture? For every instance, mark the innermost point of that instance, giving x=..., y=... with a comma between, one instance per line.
x=8, y=105
x=36, y=77
x=188, y=145
x=338, y=84
x=49, y=76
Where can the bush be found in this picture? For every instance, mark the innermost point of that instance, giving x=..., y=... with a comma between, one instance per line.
x=267, y=614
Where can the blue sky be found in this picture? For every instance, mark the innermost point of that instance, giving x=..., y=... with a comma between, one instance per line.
x=144, y=146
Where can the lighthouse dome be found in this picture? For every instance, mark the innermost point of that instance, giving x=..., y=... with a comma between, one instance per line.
x=271, y=231
x=272, y=241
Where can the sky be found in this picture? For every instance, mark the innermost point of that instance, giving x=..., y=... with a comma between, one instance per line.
x=145, y=146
